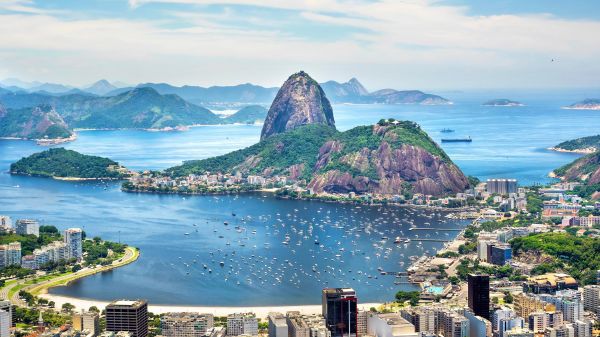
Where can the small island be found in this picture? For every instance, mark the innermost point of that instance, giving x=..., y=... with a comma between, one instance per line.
x=586, y=104
x=502, y=102
x=585, y=145
x=252, y=114
x=63, y=164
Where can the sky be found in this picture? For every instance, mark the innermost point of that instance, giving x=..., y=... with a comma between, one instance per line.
x=401, y=44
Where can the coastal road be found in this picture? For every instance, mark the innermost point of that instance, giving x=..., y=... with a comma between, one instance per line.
x=131, y=254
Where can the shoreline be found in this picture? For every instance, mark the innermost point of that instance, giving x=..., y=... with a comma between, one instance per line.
x=588, y=150
x=260, y=311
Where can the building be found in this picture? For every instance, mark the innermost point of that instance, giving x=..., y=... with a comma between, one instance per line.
x=297, y=326
x=339, y=307
x=27, y=227
x=389, y=325
x=540, y=320
x=591, y=298
x=130, y=316
x=277, y=325
x=423, y=319
x=87, y=320
x=499, y=254
x=10, y=254
x=583, y=328
x=73, y=239
x=5, y=318
x=242, y=324
x=568, y=302
x=361, y=322
x=5, y=224
x=549, y=283
x=185, y=324
x=479, y=295
x=478, y=326
x=566, y=330
x=501, y=186
x=519, y=332
x=525, y=304
x=451, y=324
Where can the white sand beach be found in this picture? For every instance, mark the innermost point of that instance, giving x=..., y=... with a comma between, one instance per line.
x=261, y=312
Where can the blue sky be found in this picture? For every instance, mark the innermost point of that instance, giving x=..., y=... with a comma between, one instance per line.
x=404, y=44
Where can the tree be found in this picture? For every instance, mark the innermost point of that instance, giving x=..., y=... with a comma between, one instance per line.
x=94, y=308
x=508, y=297
x=68, y=307
x=412, y=296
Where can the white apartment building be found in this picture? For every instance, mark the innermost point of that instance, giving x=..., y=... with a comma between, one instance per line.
x=277, y=325
x=10, y=254
x=74, y=240
x=186, y=324
x=5, y=318
x=242, y=324
x=591, y=298
x=27, y=227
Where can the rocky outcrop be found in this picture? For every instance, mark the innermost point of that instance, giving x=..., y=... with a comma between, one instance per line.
x=393, y=171
x=300, y=101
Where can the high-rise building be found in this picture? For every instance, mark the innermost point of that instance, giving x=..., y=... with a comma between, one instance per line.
x=27, y=227
x=339, y=307
x=87, y=320
x=501, y=186
x=568, y=302
x=185, y=324
x=5, y=224
x=479, y=294
x=5, y=318
x=525, y=304
x=540, y=320
x=278, y=326
x=361, y=322
x=74, y=240
x=478, y=326
x=242, y=324
x=10, y=254
x=583, y=328
x=390, y=325
x=499, y=254
x=422, y=318
x=566, y=330
x=130, y=316
x=591, y=298
x=451, y=324
x=297, y=326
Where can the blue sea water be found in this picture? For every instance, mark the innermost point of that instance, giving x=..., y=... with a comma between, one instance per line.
x=259, y=269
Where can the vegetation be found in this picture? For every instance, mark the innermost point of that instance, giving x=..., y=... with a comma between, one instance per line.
x=412, y=296
x=30, y=316
x=97, y=251
x=33, y=123
x=580, y=144
x=59, y=162
x=576, y=255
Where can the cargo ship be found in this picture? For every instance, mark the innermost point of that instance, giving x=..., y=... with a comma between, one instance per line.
x=457, y=140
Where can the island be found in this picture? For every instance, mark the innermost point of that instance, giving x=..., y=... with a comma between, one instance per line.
x=502, y=102
x=301, y=150
x=586, y=104
x=584, y=145
x=63, y=164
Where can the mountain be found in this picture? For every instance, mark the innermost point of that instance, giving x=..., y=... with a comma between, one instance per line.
x=589, y=144
x=299, y=101
x=62, y=163
x=586, y=170
x=354, y=92
x=502, y=102
x=33, y=123
x=248, y=115
x=53, y=88
x=15, y=82
x=141, y=108
x=586, y=104
x=391, y=96
x=243, y=93
x=387, y=158
x=350, y=92
x=100, y=88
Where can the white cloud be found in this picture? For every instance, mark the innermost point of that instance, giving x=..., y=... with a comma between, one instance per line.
x=405, y=44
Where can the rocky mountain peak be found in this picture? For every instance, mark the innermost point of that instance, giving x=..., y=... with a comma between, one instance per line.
x=300, y=101
x=357, y=87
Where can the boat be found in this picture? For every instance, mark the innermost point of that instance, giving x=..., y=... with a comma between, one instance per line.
x=445, y=130
x=457, y=140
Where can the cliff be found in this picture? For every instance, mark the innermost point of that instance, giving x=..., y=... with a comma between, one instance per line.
x=586, y=170
x=300, y=101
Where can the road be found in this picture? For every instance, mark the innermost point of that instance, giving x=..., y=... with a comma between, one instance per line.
x=131, y=254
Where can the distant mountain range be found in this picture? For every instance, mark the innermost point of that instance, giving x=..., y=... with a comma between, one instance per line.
x=349, y=92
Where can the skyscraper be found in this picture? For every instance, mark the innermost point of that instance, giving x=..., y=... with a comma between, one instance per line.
x=74, y=240
x=5, y=318
x=479, y=295
x=339, y=307
x=130, y=316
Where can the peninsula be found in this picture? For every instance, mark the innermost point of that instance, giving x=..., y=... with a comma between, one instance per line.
x=584, y=145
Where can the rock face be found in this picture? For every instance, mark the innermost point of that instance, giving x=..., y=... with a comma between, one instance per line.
x=586, y=169
x=300, y=101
